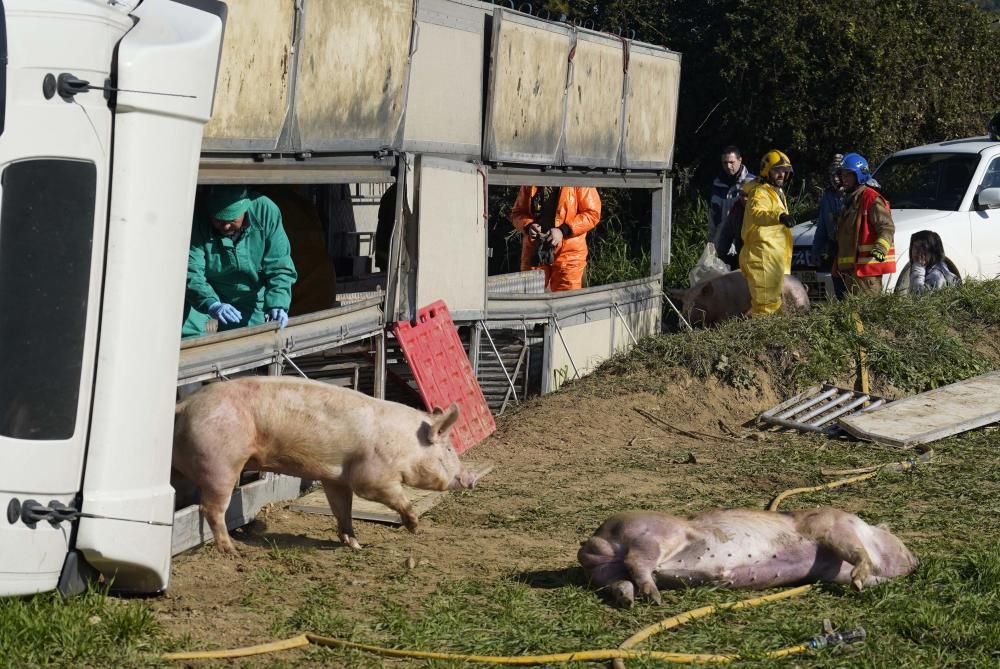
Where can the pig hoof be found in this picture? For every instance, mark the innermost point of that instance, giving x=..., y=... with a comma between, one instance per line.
x=623, y=594
x=860, y=574
x=410, y=522
x=350, y=542
x=651, y=593
x=228, y=549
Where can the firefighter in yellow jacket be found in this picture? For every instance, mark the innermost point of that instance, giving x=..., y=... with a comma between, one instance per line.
x=766, y=256
x=865, y=249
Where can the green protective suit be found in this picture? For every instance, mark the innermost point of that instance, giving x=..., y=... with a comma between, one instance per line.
x=254, y=274
x=766, y=256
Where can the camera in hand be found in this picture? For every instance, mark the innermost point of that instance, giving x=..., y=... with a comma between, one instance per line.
x=545, y=252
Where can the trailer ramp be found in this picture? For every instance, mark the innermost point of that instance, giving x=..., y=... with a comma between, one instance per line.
x=933, y=415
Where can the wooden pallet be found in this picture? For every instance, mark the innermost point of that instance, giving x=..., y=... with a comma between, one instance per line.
x=363, y=509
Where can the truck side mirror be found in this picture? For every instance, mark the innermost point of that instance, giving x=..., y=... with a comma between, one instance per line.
x=988, y=198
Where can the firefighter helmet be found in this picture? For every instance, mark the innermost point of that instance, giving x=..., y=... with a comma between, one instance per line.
x=773, y=159
x=857, y=165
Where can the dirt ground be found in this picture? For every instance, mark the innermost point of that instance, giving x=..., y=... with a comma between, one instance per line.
x=562, y=464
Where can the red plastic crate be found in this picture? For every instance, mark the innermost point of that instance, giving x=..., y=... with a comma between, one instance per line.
x=444, y=374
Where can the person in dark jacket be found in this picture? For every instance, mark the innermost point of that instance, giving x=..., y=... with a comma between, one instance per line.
x=824, y=247
x=723, y=228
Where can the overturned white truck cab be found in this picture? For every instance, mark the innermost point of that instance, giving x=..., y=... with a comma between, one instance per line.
x=321, y=102
x=103, y=109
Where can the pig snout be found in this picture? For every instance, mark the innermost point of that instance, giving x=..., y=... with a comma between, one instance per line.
x=463, y=480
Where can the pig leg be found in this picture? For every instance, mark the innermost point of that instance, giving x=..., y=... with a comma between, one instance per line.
x=641, y=560
x=215, y=499
x=835, y=531
x=391, y=494
x=339, y=496
x=606, y=571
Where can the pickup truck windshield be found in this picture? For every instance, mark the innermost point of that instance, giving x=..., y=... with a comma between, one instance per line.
x=927, y=180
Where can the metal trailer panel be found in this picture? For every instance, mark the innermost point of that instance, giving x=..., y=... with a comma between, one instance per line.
x=451, y=242
x=527, y=89
x=351, y=84
x=581, y=344
x=573, y=306
x=227, y=352
x=252, y=93
x=651, y=107
x=444, y=106
x=322, y=170
x=594, y=104
x=635, y=320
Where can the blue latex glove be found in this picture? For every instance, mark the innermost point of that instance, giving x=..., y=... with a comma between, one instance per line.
x=226, y=314
x=279, y=315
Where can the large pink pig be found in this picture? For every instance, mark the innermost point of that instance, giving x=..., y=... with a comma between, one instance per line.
x=349, y=441
x=643, y=551
x=728, y=296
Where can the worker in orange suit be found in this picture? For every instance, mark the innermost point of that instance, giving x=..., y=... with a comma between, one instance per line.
x=554, y=223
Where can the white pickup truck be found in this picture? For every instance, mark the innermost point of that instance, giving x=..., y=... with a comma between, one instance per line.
x=952, y=188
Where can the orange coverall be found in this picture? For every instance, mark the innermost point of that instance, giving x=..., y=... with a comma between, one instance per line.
x=577, y=212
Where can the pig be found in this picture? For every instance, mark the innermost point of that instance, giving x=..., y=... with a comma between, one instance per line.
x=738, y=548
x=727, y=296
x=350, y=442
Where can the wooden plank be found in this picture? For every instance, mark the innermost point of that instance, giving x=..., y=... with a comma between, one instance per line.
x=190, y=528
x=929, y=416
x=363, y=509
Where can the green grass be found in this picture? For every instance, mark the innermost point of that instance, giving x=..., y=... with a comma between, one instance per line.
x=90, y=630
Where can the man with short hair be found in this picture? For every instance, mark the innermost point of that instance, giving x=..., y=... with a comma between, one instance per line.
x=865, y=230
x=723, y=229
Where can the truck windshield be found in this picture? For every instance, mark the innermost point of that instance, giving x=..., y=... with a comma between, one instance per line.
x=927, y=180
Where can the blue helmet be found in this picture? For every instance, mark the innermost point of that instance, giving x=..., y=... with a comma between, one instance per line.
x=856, y=163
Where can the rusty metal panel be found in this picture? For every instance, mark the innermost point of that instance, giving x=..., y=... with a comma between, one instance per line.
x=527, y=89
x=350, y=89
x=444, y=106
x=252, y=93
x=651, y=107
x=594, y=105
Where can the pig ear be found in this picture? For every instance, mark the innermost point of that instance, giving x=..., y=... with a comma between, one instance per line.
x=443, y=420
x=707, y=290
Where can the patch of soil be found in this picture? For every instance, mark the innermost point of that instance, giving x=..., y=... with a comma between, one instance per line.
x=563, y=463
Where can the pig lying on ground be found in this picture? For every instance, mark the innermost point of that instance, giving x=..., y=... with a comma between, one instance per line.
x=727, y=296
x=347, y=440
x=739, y=548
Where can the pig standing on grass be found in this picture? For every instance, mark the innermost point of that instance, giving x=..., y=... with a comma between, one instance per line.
x=739, y=548
x=349, y=441
x=727, y=295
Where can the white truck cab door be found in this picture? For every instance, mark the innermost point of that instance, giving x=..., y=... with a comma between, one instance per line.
x=54, y=163
x=985, y=224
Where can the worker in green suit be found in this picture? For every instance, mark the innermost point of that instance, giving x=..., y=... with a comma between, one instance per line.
x=240, y=269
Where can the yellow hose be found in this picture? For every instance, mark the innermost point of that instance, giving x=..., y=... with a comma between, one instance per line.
x=889, y=466
x=828, y=486
x=624, y=652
